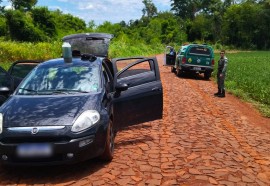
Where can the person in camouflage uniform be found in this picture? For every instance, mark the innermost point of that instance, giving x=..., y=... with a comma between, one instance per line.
x=221, y=74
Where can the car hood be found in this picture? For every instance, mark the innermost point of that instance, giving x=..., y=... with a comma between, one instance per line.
x=24, y=111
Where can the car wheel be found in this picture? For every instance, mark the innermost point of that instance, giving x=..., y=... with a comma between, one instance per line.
x=173, y=69
x=109, y=144
x=207, y=75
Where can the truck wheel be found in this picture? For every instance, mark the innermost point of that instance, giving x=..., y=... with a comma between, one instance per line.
x=207, y=75
x=179, y=72
x=173, y=69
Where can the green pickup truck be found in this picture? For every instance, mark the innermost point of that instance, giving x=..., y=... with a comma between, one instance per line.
x=196, y=58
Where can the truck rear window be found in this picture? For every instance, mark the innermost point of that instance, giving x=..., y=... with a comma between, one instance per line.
x=200, y=51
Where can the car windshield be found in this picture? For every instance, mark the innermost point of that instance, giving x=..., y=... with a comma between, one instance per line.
x=200, y=50
x=62, y=79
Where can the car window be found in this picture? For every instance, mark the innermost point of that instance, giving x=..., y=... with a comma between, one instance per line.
x=138, y=74
x=183, y=50
x=22, y=69
x=136, y=69
x=65, y=78
x=200, y=50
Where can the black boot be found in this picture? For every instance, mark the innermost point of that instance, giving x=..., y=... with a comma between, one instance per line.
x=222, y=94
x=218, y=93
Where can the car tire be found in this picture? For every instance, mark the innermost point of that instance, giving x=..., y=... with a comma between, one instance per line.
x=109, y=144
x=179, y=72
x=173, y=69
x=207, y=75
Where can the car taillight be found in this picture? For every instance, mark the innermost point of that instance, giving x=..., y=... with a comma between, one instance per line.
x=213, y=62
x=184, y=60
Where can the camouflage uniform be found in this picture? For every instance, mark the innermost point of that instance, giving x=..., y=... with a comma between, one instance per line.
x=222, y=67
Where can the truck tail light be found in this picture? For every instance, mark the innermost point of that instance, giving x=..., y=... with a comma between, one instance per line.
x=184, y=60
x=213, y=62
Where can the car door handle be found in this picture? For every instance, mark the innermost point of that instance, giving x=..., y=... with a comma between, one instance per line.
x=156, y=89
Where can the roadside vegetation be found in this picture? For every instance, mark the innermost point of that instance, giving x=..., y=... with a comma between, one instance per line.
x=31, y=32
x=248, y=77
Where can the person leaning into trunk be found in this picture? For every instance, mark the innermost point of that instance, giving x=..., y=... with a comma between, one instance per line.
x=221, y=74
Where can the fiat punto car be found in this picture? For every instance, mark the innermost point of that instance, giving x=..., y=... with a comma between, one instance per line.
x=69, y=111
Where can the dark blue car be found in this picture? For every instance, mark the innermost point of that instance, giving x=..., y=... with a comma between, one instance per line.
x=67, y=111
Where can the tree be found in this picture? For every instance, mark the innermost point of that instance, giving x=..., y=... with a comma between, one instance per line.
x=67, y=23
x=240, y=25
x=92, y=25
x=189, y=9
x=3, y=27
x=21, y=27
x=23, y=4
x=150, y=9
x=44, y=20
x=1, y=8
x=200, y=29
x=108, y=27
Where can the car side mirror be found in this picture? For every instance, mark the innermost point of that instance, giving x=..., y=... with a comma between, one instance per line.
x=121, y=87
x=4, y=90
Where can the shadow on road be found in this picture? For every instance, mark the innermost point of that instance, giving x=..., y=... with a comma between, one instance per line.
x=134, y=141
x=194, y=76
x=49, y=174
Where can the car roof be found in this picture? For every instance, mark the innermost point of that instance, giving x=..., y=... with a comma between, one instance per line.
x=75, y=62
x=199, y=45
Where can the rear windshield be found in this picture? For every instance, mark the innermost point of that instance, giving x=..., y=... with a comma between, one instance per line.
x=95, y=46
x=200, y=51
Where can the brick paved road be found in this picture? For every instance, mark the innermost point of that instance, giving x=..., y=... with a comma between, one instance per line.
x=201, y=140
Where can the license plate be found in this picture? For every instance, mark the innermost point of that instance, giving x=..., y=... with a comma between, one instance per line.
x=39, y=150
x=196, y=68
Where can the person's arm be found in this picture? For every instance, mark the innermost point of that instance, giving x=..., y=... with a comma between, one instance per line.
x=225, y=61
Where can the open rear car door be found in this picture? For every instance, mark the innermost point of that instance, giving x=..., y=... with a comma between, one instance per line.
x=169, y=56
x=138, y=94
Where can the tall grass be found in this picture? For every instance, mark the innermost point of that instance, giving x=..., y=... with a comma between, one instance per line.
x=12, y=51
x=248, y=76
x=127, y=49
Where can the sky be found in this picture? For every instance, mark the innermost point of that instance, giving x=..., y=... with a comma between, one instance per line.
x=113, y=11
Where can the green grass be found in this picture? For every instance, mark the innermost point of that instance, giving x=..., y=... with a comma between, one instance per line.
x=248, y=77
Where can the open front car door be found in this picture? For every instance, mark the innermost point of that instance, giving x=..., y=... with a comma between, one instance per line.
x=5, y=85
x=138, y=93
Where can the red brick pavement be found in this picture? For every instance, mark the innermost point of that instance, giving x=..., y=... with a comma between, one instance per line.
x=201, y=140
